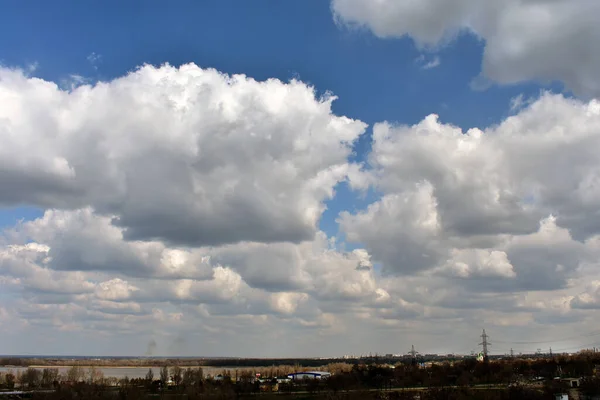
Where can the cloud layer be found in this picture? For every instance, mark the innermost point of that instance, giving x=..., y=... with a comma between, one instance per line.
x=540, y=40
x=182, y=208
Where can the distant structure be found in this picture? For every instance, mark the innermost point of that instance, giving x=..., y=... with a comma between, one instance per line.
x=309, y=375
x=484, y=344
x=413, y=354
x=512, y=353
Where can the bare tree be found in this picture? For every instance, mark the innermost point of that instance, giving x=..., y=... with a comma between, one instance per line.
x=75, y=374
x=95, y=375
x=192, y=377
x=164, y=375
x=176, y=373
x=150, y=375
x=31, y=377
x=49, y=376
x=9, y=380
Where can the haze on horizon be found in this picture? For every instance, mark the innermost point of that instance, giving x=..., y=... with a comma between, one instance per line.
x=299, y=179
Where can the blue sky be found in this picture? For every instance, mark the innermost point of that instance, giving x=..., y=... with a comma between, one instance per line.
x=261, y=39
x=175, y=205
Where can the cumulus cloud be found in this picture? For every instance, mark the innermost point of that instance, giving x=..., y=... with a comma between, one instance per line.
x=201, y=158
x=287, y=302
x=313, y=266
x=543, y=40
x=81, y=240
x=115, y=289
x=108, y=275
x=26, y=267
x=509, y=207
x=589, y=298
x=469, y=262
x=400, y=230
x=181, y=202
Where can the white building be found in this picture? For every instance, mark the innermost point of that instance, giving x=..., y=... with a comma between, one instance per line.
x=309, y=375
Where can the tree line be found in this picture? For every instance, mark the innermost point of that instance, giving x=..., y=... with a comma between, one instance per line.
x=448, y=380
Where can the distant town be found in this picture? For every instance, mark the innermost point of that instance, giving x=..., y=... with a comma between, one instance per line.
x=542, y=375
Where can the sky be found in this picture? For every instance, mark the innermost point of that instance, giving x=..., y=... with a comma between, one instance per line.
x=299, y=179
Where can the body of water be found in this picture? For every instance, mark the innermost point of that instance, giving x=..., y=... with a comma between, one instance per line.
x=121, y=372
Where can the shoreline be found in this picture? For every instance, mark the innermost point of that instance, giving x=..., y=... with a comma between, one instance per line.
x=95, y=366
x=124, y=366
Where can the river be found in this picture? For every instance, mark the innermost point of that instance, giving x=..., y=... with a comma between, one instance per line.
x=130, y=372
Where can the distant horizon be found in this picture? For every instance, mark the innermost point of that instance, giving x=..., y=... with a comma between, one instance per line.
x=273, y=358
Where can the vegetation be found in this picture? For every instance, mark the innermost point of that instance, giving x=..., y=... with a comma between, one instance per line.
x=467, y=379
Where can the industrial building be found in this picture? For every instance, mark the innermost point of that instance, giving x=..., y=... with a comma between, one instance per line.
x=309, y=375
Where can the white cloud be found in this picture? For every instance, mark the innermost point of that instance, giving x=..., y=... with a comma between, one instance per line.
x=105, y=277
x=544, y=40
x=287, y=303
x=81, y=240
x=468, y=262
x=94, y=59
x=115, y=289
x=223, y=287
x=588, y=299
x=202, y=158
x=115, y=307
x=26, y=267
x=428, y=64
x=508, y=208
x=73, y=81
x=400, y=230
x=494, y=226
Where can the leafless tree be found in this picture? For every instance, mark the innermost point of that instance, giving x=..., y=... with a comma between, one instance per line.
x=95, y=375
x=49, y=376
x=75, y=374
x=176, y=373
x=164, y=375
x=31, y=377
x=150, y=375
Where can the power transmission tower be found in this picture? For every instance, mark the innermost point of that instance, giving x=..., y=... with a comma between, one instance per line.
x=550, y=351
x=512, y=354
x=484, y=343
x=413, y=354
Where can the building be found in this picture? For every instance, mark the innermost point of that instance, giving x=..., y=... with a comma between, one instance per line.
x=309, y=375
